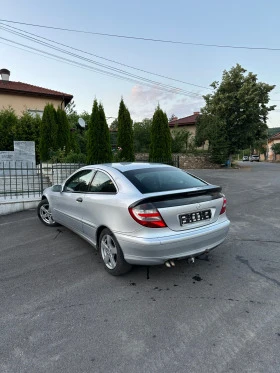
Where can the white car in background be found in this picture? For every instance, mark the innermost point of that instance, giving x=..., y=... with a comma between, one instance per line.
x=254, y=158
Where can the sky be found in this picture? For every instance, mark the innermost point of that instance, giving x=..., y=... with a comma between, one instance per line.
x=192, y=67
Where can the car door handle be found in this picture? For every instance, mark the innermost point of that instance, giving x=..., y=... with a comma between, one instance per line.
x=79, y=199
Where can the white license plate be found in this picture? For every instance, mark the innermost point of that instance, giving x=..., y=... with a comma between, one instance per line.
x=195, y=217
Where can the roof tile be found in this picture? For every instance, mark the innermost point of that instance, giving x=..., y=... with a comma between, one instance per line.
x=19, y=87
x=191, y=119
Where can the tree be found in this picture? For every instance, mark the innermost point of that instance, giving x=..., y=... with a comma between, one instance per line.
x=160, y=149
x=8, y=124
x=212, y=128
x=125, y=134
x=276, y=149
x=173, y=116
x=48, y=132
x=78, y=141
x=114, y=125
x=239, y=106
x=104, y=140
x=98, y=139
x=28, y=129
x=142, y=135
x=63, y=134
x=180, y=139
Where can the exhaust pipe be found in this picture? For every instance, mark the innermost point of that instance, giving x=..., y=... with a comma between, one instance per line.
x=191, y=260
x=169, y=263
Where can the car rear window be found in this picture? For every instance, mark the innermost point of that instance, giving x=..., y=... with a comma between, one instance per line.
x=160, y=179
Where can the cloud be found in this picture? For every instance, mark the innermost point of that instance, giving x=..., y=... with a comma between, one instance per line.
x=143, y=101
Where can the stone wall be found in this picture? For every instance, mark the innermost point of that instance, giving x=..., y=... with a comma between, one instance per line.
x=186, y=161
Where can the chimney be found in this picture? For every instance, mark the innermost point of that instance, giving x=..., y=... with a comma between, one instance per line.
x=5, y=74
x=196, y=113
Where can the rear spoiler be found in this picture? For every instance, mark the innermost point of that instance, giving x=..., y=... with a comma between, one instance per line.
x=210, y=192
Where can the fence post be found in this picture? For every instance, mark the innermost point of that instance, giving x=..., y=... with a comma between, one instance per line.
x=178, y=161
x=41, y=177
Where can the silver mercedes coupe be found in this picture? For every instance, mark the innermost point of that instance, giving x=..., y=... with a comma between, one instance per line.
x=138, y=213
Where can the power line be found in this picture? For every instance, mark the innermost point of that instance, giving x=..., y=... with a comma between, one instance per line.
x=142, y=38
x=174, y=89
x=68, y=61
x=107, y=59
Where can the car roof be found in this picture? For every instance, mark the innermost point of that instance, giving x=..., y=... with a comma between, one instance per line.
x=128, y=166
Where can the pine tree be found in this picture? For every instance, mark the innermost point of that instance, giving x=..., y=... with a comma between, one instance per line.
x=125, y=134
x=160, y=149
x=48, y=132
x=63, y=134
x=98, y=139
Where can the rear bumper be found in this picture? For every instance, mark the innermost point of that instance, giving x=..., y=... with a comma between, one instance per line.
x=153, y=251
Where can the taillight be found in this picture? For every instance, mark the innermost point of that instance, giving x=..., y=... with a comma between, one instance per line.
x=147, y=215
x=224, y=207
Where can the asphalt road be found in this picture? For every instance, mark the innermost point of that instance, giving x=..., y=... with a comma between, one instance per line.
x=61, y=312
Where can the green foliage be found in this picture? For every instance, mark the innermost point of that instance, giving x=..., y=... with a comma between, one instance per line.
x=93, y=135
x=98, y=138
x=276, y=148
x=104, y=141
x=160, y=149
x=239, y=106
x=125, y=134
x=212, y=128
x=114, y=125
x=61, y=156
x=57, y=156
x=77, y=135
x=28, y=129
x=63, y=133
x=272, y=131
x=180, y=140
x=76, y=158
x=48, y=132
x=142, y=135
x=8, y=125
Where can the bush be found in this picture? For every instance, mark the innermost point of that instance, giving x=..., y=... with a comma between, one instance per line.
x=76, y=158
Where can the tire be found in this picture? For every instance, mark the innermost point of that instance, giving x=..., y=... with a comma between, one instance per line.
x=112, y=255
x=45, y=215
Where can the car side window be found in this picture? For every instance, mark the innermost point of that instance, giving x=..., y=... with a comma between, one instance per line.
x=79, y=182
x=102, y=184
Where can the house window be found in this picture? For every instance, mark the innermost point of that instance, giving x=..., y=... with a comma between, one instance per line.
x=33, y=113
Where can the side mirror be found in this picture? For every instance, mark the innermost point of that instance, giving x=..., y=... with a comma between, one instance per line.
x=57, y=188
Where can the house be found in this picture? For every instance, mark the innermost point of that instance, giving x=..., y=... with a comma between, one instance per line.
x=274, y=139
x=26, y=97
x=186, y=124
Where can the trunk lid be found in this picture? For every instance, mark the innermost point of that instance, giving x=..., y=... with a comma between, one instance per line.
x=189, y=209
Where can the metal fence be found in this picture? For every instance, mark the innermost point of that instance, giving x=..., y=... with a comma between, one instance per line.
x=20, y=180
x=25, y=180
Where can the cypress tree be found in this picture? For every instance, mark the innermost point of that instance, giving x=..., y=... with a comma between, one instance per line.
x=63, y=134
x=105, y=149
x=93, y=135
x=160, y=149
x=98, y=139
x=48, y=132
x=125, y=134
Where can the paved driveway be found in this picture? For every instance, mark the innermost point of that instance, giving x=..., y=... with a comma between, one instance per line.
x=61, y=312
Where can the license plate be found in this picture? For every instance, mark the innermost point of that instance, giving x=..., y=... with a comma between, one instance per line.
x=195, y=217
